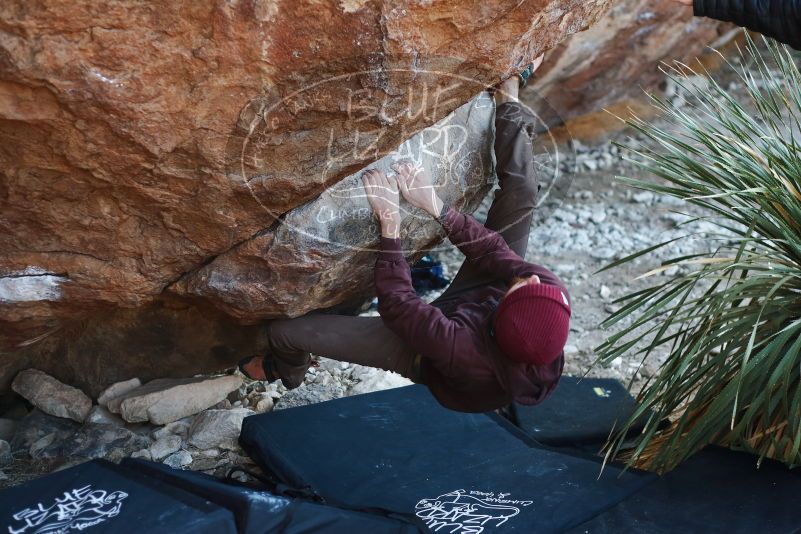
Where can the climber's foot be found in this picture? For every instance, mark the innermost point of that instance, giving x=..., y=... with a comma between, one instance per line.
x=509, y=89
x=258, y=368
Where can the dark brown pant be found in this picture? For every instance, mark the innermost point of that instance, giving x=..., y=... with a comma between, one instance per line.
x=366, y=340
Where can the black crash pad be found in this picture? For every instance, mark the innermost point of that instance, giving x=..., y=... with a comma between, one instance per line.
x=579, y=413
x=259, y=511
x=99, y=497
x=715, y=491
x=398, y=451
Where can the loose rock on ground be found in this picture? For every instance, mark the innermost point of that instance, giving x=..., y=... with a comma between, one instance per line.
x=51, y=396
x=163, y=401
x=217, y=428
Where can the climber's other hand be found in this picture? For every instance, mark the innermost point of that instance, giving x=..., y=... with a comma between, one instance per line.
x=418, y=188
x=382, y=194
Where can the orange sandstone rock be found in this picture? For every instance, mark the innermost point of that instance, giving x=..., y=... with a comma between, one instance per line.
x=149, y=150
x=171, y=174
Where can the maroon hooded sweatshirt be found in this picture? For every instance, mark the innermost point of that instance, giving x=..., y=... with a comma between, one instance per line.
x=461, y=363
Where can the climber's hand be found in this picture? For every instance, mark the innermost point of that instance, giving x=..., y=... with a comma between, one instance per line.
x=537, y=63
x=417, y=188
x=382, y=194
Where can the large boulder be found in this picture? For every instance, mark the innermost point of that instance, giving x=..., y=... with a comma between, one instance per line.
x=150, y=152
x=171, y=175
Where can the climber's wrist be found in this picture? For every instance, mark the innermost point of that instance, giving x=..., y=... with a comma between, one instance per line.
x=390, y=226
x=436, y=207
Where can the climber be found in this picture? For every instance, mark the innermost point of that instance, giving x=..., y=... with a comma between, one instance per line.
x=495, y=335
x=780, y=19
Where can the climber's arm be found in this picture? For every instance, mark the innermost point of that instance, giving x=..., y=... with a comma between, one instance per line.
x=488, y=249
x=780, y=19
x=481, y=246
x=421, y=325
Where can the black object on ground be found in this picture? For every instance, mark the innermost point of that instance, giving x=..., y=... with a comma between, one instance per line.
x=258, y=511
x=580, y=413
x=398, y=451
x=102, y=497
x=427, y=274
x=717, y=490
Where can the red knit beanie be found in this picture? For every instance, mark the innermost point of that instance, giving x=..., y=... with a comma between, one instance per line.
x=532, y=324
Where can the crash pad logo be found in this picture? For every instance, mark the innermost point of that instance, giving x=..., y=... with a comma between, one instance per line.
x=463, y=512
x=78, y=509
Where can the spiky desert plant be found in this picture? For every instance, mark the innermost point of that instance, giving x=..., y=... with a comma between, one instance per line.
x=731, y=322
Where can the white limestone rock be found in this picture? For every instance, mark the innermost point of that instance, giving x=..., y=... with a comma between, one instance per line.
x=51, y=396
x=178, y=428
x=165, y=446
x=117, y=389
x=143, y=454
x=100, y=415
x=166, y=400
x=178, y=460
x=218, y=428
x=265, y=404
x=376, y=380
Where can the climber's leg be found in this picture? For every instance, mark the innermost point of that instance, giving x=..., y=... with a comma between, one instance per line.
x=512, y=208
x=362, y=340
